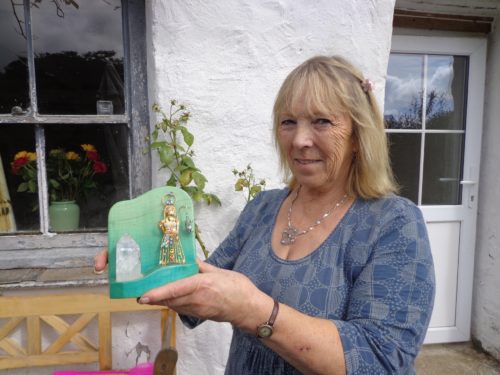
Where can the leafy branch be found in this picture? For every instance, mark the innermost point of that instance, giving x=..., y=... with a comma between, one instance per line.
x=246, y=182
x=173, y=143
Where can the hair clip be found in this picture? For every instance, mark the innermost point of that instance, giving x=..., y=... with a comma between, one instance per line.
x=367, y=85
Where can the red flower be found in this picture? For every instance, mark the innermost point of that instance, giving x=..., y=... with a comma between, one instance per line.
x=99, y=167
x=92, y=155
x=19, y=163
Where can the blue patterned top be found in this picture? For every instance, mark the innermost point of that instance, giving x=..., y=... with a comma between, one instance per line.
x=373, y=277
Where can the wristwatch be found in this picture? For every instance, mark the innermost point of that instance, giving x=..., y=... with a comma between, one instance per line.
x=266, y=329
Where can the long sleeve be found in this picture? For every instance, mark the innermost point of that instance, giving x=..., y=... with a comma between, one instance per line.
x=392, y=295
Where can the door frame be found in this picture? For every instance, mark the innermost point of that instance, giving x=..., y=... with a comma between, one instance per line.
x=475, y=49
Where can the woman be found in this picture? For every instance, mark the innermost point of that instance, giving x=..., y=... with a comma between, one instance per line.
x=333, y=274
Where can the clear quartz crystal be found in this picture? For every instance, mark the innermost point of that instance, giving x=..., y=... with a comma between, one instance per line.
x=128, y=259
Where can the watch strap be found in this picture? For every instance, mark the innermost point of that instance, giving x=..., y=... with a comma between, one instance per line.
x=274, y=313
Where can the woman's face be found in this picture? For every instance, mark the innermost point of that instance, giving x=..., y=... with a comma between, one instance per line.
x=319, y=148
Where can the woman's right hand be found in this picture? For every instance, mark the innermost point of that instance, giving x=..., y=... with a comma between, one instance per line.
x=100, y=261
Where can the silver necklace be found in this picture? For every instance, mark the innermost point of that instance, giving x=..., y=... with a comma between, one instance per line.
x=290, y=233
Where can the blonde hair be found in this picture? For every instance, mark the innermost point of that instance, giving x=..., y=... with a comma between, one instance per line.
x=333, y=85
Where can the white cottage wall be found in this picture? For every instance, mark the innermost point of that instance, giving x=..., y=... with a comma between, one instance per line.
x=486, y=301
x=225, y=61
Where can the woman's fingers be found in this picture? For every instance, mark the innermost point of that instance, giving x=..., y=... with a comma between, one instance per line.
x=100, y=261
x=175, y=289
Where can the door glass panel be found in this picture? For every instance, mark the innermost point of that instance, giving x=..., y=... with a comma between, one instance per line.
x=405, y=159
x=18, y=179
x=442, y=169
x=431, y=178
x=446, y=86
x=403, y=92
x=13, y=66
x=79, y=56
x=89, y=165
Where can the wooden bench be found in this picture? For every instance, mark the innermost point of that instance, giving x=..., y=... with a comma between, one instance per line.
x=33, y=310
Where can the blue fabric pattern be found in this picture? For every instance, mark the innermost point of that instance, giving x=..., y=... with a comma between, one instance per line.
x=373, y=277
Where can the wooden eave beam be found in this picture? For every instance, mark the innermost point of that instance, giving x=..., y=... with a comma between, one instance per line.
x=437, y=21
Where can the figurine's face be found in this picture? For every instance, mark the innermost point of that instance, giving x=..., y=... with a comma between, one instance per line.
x=170, y=212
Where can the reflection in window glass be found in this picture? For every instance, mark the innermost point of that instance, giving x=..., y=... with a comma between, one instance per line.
x=94, y=168
x=13, y=66
x=79, y=56
x=403, y=92
x=442, y=169
x=18, y=179
x=405, y=159
x=446, y=92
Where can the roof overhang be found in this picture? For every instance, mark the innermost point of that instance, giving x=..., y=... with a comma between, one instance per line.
x=475, y=16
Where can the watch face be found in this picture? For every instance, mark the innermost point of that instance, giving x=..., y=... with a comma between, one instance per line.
x=264, y=330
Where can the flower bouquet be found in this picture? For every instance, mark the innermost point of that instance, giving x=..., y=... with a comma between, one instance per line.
x=70, y=176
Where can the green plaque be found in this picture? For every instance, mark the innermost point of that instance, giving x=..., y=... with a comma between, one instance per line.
x=151, y=242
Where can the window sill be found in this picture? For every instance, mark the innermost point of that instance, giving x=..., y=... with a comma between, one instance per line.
x=40, y=278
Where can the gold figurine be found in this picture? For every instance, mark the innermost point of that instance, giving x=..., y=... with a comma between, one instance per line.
x=170, y=248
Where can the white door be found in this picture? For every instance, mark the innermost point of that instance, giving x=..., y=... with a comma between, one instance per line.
x=434, y=111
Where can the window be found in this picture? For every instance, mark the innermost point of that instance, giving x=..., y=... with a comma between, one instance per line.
x=67, y=71
x=425, y=115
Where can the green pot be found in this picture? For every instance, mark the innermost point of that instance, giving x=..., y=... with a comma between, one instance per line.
x=64, y=216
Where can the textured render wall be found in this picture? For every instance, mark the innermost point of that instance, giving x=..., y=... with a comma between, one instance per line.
x=226, y=60
x=486, y=302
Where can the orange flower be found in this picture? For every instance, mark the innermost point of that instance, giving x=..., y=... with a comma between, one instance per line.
x=71, y=155
x=21, y=154
x=88, y=147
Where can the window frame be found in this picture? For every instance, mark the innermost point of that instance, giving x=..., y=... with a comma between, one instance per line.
x=60, y=250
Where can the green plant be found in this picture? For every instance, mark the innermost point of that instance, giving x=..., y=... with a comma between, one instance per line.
x=173, y=143
x=246, y=182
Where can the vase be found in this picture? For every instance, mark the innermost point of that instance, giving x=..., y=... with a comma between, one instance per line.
x=64, y=216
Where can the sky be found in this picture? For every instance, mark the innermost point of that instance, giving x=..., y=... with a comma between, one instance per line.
x=94, y=25
x=405, y=80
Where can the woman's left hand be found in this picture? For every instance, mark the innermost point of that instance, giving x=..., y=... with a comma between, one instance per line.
x=214, y=294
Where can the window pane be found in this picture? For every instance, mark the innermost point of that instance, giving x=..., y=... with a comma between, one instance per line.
x=403, y=92
x=446, y=81
x=18, y=179
x=405, y=159
x=79, y=55
x=442, y=169
x=13, y=66
x=100, y=151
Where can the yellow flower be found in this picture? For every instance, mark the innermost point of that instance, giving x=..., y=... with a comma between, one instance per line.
x=31, y=156
x=88, y=147
x=71, y=155
x=21, y=154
